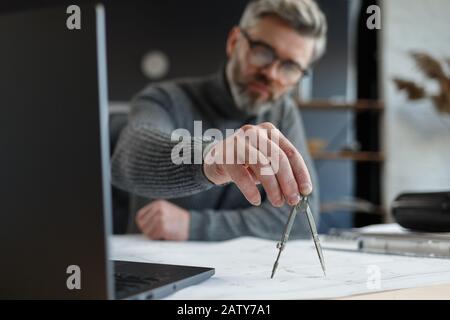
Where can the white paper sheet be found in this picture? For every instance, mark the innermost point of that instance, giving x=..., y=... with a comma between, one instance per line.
x=243, y=268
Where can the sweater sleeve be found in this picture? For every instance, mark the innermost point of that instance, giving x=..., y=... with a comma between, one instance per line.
x=264, y=221
x=142, y=162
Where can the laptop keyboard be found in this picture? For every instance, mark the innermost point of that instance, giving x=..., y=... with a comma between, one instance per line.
x=126, y=283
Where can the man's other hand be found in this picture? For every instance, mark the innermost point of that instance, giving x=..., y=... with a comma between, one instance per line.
x=162, y=220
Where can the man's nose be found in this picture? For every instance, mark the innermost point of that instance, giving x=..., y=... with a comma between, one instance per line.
x=271, y=71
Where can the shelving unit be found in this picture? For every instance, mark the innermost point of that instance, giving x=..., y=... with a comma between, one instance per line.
x=324, y=105
x=365, y=156
x=357, y=106
x=365, y=159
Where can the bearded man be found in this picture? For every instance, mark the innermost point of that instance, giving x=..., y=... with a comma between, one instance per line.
x=268, y=54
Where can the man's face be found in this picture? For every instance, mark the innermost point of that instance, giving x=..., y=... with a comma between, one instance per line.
x=256, y=87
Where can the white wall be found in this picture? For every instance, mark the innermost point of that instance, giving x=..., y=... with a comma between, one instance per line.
x=416, y=138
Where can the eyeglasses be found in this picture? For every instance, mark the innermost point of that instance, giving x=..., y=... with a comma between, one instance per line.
x=262, y=55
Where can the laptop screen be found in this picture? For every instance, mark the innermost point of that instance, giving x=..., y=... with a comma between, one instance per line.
x=54, y=170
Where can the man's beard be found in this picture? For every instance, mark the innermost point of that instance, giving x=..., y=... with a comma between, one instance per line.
x=238, y=87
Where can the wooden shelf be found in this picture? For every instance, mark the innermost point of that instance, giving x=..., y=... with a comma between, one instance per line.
x=349, y=155
x=328, y=208
x=328, y=105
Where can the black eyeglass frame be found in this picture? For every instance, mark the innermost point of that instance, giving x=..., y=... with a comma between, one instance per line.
x=255, y=43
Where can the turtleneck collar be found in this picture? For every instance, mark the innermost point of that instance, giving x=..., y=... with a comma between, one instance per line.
x=221, y=93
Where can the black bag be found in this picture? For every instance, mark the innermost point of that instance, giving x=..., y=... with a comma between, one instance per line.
x=428, y=212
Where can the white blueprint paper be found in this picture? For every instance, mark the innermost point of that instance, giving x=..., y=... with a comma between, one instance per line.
x=243, y=267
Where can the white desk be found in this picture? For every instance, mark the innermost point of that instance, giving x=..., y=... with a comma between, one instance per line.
x=243, y=268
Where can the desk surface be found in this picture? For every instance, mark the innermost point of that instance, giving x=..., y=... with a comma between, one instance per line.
x=436, y=292
x=243, y=269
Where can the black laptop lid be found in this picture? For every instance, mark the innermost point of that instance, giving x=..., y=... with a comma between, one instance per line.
x=53, y=151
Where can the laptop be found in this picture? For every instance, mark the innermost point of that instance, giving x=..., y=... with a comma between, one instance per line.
x=55, y=187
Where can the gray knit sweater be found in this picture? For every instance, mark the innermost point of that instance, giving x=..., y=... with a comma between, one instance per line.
x=142, y=165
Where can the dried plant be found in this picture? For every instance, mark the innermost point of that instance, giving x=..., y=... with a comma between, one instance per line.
x=435, y=71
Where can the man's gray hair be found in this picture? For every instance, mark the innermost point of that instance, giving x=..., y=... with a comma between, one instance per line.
x=305, y=16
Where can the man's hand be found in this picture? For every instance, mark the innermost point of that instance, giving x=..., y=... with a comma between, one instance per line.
x=162, y=220
x=278, y=166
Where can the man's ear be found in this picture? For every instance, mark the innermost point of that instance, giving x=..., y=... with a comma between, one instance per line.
x=232, y=40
